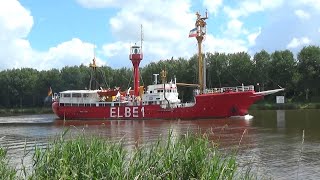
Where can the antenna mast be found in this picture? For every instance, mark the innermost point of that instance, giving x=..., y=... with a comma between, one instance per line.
x=141, y=38
x=93, y=66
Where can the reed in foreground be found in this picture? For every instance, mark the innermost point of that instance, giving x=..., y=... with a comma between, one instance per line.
x=6, y=172
x=185, y=157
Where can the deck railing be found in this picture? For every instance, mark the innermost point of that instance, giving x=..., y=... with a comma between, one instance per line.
x=230, y=89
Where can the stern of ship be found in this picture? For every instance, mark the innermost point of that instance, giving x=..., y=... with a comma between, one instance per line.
x=55, y=108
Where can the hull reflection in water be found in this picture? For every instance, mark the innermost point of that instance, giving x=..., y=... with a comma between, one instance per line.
x=226, y=131
x=272, y=141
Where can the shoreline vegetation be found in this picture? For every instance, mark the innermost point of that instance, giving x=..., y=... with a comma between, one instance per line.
x=258, y=106
x=83, y=156
x=285, y=106
x=298, y=74
x=24, y=111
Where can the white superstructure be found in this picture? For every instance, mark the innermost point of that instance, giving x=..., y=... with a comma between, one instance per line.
x=161, y=94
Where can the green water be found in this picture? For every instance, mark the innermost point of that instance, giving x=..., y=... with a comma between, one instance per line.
x=280, y=144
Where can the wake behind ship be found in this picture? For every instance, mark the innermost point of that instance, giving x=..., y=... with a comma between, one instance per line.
x=159, y=100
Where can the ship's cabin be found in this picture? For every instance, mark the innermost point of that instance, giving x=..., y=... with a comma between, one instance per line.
x=79, y=96
x=87, y=98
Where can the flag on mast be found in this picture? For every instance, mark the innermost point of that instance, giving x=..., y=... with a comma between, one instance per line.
x=50, y=92
x=193, y=32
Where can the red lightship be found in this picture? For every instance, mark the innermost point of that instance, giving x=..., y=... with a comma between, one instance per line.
x=159, y=100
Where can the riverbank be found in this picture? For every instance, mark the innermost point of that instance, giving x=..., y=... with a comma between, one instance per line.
x=24, y=111
x=285, y=106
x=82, y=156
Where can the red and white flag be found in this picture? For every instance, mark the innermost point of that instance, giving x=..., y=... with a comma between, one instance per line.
x=193, y=32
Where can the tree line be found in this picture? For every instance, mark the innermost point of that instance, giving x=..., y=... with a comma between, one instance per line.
x=300, y=75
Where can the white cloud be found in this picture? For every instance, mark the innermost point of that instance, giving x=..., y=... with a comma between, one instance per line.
x=73, y=52
x=112, y=49
x=16, y=51
x=235, y=28
x=253, y=36
x=101, y=3
x=224, y=45
x=302, y=14
x=212, y=5
x=314, y=4
x=247, y=7
x=165, y=29
x=165, y=24
x=296, y=42
x=15, y=20
x=15, y=24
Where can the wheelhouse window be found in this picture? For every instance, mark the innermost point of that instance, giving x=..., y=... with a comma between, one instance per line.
x=85, y=95
x=67, y=95
x=76, y=95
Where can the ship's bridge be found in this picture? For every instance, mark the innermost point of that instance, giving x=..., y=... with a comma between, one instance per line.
x=161, y=94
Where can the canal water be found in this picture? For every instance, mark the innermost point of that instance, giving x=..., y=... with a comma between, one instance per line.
x=278, y=144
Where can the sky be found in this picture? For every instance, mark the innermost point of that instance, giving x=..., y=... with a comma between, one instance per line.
x=50, y=34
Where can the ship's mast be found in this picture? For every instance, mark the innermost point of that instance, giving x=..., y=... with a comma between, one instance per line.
x=93, y=66
x=201, y=32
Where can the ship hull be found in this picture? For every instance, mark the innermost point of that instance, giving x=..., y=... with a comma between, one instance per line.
x=213, y=105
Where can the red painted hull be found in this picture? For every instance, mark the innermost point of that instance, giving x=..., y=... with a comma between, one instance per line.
x=217, y=105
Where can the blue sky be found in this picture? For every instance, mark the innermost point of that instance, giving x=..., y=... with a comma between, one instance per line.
x=52, y=34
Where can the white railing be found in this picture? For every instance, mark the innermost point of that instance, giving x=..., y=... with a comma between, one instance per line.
x=231, y=89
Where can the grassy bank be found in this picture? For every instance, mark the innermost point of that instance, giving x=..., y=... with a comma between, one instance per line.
x=190, y=156
x=6, y=171
x=21, y=111
x=274, y=106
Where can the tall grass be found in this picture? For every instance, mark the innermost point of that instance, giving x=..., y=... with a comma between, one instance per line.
x=190, y=156
x=6, y=172
x=83, y=156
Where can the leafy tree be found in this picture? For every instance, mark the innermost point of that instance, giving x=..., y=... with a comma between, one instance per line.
x=240, y=68
x=48, y=79
x=22, y=84
x=284, y=72
x=29, y=87
x=261, y=68
x=74, y=78
x=309, y=68
x=217, y=69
